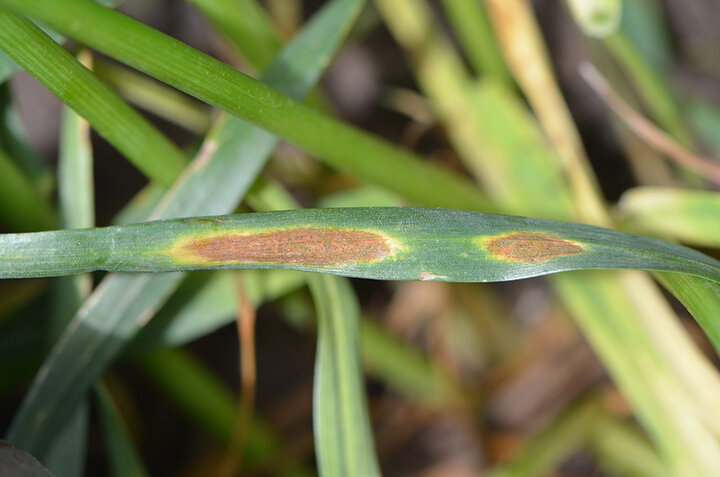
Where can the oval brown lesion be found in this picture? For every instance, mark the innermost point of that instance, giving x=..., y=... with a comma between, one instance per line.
x=531, y=247
x=313, y=246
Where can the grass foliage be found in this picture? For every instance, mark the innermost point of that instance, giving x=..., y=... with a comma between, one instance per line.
x=96, y=300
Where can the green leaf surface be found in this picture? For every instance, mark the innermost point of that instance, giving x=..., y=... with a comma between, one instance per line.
x=218, y=84
x=644, y=24
x=620, y=449
x=66, y=458
x=701, y=298
x=8, y=67
x=226, y=166
x=705, y=119
x=69, y=80
x=380, y=243
x=691, y=216
x=343, y=438
x=75, y=173
x=470, y=21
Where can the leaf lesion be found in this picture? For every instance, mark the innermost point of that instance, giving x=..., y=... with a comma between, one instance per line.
x=530, y=247
x=306, y=245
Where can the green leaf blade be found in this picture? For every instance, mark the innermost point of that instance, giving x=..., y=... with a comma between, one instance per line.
x=121, y=125
x=122, y=304
x=216, y=83
x=686, y=215
x=395, y=243
x=343, y=437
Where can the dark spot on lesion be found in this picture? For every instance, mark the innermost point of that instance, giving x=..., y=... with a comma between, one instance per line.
x=532, y=247
x=315, y=246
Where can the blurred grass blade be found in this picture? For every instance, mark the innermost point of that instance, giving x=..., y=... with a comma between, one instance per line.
x=75, y=171
x=488, y=126
x=598, y=18
x=661, y=348
x=117, y=122
x=340, y=146
x=603, y=311
x=80, y=357
x=247, y=26
x=66, y=458
x=644, y=25
x=690, y=216
x=231, y=158
x=121, y=452
x=203, y=304
x=206, y=302
x=513, y=142
x=405, y=369
x=620, y=449
x=142, y=205
x=527, y=57
x=660, y=141
x=701, y=298
x=651, y=86
x=363, y=196
x=705, y=119
x=76, y=204
x=156, y=98
x=471, y=23
x=343, y=436
x=7, y=67
x=23, y=208
x=381, y=243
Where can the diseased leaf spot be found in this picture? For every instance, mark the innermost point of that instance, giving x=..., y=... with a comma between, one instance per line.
x=315, y=246
x=532, y=247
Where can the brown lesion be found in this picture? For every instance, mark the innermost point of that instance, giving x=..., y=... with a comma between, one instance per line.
x=531, y=247
x=316, y=246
